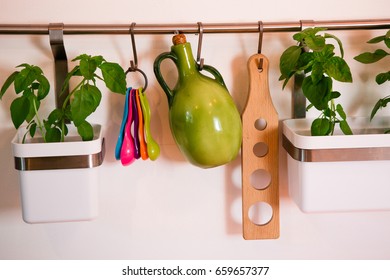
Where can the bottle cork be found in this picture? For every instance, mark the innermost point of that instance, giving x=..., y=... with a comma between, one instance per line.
x=179, y=39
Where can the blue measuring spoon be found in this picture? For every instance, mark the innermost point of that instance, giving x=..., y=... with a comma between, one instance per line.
x=122, y=128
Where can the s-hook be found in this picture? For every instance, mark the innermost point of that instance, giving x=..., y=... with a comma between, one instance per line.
x=56, y=37
x=199, y=60
x=261, y=31
x=134, y=64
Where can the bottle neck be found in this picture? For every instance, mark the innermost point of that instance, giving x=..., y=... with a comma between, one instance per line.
x=185, y=61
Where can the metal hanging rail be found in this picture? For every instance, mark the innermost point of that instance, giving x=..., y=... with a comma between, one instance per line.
x=107, y=29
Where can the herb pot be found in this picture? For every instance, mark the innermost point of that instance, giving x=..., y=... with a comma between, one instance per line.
x=59, y=181
x=339, y=172
x=204, y=120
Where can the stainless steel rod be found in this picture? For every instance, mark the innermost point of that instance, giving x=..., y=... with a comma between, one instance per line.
x=107, y=29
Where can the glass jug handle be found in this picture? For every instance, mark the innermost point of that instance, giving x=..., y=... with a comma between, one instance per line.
x=213, y=71
x=159, y=77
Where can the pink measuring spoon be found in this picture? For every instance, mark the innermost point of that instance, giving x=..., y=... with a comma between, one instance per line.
x=128, y=150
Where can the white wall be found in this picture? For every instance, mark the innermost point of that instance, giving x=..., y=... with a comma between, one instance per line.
x=168, y=208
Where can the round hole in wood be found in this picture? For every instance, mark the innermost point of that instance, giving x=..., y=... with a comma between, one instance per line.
x=260, y=213
x=260, y=179
x=260, y=124
x=260, y=149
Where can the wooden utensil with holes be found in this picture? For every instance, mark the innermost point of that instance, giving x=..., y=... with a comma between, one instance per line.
x=260, y=125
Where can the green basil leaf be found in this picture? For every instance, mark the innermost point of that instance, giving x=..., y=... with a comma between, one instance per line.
x=19, y=110
x=81, y=57
x=317, y=72
x=88, y=67
x=114, y=77
x=98, y=59
x=387, y=42
x=335, y=94
x=34, y=106
x=8, y=82
x=25, y=78
x=55, y=116
x=44, y=87
x=381, y=103
x=85, y=130
x=327, y=35
x=341, y=112
x=344, y=126
x=85, y=102
x=318, y=94
x=369, y=57
x=53, y=134
x=376, y=40
x=320, y=127
x=382, y=78
x=316, y=43
x=337, y=68
x=75, y=72
x=289, y=60
x=32, y=129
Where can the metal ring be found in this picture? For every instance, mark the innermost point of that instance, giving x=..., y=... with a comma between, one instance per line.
x=132, y=69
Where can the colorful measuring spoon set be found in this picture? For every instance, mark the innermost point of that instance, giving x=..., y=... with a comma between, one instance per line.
x=135, y=140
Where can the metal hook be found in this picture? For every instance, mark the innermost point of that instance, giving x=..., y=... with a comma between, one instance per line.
x=56, y=37
x=199, y=60
x=261, y=31
x=134, y=64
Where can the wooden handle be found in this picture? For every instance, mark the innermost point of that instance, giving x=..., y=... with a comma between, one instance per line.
x=260, y=129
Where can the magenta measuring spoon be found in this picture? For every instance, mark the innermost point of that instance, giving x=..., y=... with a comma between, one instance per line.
x=127, y=150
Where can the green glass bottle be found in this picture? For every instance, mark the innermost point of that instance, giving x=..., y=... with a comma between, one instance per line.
x=204, y=119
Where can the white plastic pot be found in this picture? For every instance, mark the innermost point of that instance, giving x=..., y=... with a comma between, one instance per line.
x=339, y=172
x=59, y=181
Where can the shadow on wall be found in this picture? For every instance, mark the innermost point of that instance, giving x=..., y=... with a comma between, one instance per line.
x=9, y=184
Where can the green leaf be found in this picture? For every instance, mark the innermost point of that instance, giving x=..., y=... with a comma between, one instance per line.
x=19, y=110
x=381, y=103
x=33, y=129
x=318, y=94
x=344, y=126
x=335, y=94
x=32, y=100
x=316, y=43
x=337, y=68
x=114, y=77
x=55, y=116
x=327, y=35
x=369, y=57
x=320, y=127
x=8, y=82
x=376, y=39
x=341, y=112
x=85, y=130
x=88, y=67
x=44, y=87
x=382, y=78
x=53, y=134
x=81, y=57
x=289, y=60
x=317, y=72
x=387, y=42
x=85, y=102
x=25, y=78
x=75, y=72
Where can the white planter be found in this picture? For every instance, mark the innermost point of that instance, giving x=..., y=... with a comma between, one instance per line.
x=59, y=181
x=339, y=172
